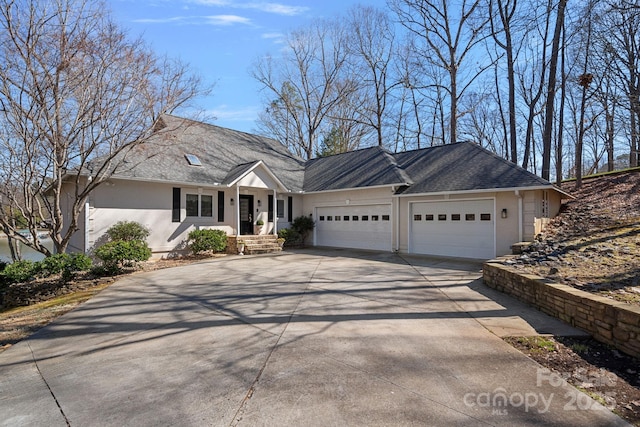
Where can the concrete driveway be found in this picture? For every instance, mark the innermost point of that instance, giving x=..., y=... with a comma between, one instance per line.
x=313, y=338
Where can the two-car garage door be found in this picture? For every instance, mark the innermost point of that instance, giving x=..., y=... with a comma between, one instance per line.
x=463, y=228
x=358, y=227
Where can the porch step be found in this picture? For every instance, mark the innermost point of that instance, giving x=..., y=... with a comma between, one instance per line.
x=260, y=244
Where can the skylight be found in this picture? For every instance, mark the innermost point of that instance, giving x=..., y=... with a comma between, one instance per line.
x=193, y=160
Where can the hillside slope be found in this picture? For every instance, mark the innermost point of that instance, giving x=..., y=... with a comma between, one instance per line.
x=594, y=244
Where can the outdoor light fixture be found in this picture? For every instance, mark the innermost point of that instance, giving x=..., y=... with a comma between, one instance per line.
x=503, y=214
x=231, y=202
x=259, y=203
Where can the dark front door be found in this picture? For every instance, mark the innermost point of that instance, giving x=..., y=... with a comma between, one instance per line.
x=246, y=215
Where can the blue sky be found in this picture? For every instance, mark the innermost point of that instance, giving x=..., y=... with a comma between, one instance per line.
x=220, y=39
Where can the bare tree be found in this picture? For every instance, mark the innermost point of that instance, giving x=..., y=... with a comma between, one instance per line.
x=371, y=53
x=449, y=38
x=73, y=88
x=547, y=133
x=622, y=43
x=305, y=83
x=502, y=13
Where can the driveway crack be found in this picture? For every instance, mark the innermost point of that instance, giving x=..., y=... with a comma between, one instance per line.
x=55, y=399
x=238, y=415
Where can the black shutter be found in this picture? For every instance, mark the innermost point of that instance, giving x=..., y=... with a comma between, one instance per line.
x=290, y=209
x=270, y=216
x=220, y=206
x=175, y=212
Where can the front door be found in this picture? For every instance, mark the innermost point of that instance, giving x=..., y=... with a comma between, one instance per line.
x=246, y=215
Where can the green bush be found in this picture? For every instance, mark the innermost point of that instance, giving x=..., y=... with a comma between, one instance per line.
x=303, y=225
x=53, y=264
x=128, y=231
x=20, y=271
x=79, y=262
x=120, y=254
x=207, y=240
x=290, y=236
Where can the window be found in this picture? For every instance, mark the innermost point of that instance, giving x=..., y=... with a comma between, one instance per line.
x=470, y=217
x=375, y=218
x=485, y=217
x=337, y=218
x=290, y=208
x=206, y=206
x=346, y=217
x=192, y=205
x=417, y=217
x=321, y=217
x=280, y=208
x=428, y=217
x=199, y=205
x=455, y=217
x=385, y=217
x=442, y=217
x=329, y=218
x=355, y=217
x=193, y=160
x=365, y=217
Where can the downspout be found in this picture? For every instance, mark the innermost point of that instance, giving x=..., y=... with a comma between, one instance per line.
x=87, y=228
x=520, y=209
x=395, y=201
x=275, y=212
x=237, y=210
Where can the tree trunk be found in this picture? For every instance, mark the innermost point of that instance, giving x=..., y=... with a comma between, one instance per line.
x=547, y=134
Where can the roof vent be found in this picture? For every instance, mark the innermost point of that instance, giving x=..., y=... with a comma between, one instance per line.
x=193, y=159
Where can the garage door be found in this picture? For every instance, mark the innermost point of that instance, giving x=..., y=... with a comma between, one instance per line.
x=462, y=229
x=359, y=227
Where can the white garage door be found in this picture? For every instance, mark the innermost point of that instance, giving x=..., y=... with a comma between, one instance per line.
x=359, y=227
x=463, y=229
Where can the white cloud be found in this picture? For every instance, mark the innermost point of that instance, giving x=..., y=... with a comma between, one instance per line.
x=276, y=8
x=160, y=20
x=226, y=20
x=217, y=20
x=224, y=113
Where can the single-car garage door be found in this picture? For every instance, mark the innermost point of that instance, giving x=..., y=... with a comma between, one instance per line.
x=358, y=227
x=463, y=228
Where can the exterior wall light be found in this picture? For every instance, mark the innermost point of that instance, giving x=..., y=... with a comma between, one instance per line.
x=259, y=203
x=231, y=202
x=503, y=214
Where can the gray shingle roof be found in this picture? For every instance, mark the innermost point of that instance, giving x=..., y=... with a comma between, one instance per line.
x=228, y=154
x=225, y=154
x=369, y=167
x=462, y=166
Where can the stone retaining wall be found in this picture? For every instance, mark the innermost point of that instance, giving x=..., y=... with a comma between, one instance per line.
x=609, y=321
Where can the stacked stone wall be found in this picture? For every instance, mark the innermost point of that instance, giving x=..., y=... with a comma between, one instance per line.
x=609, y=321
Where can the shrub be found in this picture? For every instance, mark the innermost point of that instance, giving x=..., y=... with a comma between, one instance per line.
x=53, y=264
x=207, y=240
x=303, y=225
x=128, y=231
x=119, y=254
x=20, y=271
x=290, y=236
x=79, y=262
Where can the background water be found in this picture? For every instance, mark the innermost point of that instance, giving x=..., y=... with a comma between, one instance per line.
x=27, y=253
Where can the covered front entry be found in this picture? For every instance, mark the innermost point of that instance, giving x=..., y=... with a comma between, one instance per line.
x=458, y=228
x=358, y=227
